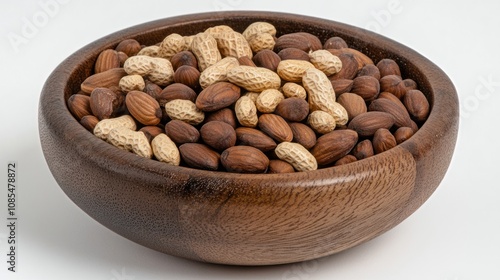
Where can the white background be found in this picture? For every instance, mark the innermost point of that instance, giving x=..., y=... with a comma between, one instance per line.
x=455, y=235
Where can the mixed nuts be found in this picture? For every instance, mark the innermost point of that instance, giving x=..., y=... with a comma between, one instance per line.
x=249, y=102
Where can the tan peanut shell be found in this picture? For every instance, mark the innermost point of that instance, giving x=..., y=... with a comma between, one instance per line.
x=268, y=100
x=259, y=27
x=103, y=127
x=321, y=121
x=184, y=110
x=232, y=43
x=254, y=78
x=165, y=150
x=292, y=70
x=246, y=112
x=261, y=41
x=253, y=95
x=150, y=51
x=131, y=82
x=290, y=89
x=157, y=70
x=215, y=30
x=319, y=89
x=171, y=45
x=296, y=155
x=217, y=72
x=204, y=47
x=130, y=140
x=326, y=62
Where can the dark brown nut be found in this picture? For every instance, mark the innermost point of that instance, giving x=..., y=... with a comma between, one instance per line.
x=352, y=103
x=393, y=84
x=293, y=53
x=122, y=57
x=383, y=140
x=176, y=91
x=367, y=87
x=152, y=89
x=341, y=86
x=151, y=131
x=334, y=145
x=370, y=70
x=218, y=135
x=217, y=96
x=387, y=67
x=303, y=135
x=107, y=59
x=279, y=166
x=410, y=84
x=129, y=46
x=417, y=105
x=276, y=127
x=349, y=66
x=105, y=103
x=363, y=149
x=181, y=132
x=334, y=43
x=293, y=109
x=144, y=108
x=402, y=134
x=89, y=122
x=245, y=60
x=224, y=115
x=199, y=156
x=184, y=58
x=187, y=75
x=393, y=98
x=300, y=40
x=401, y=117
x=345, y=160
x=267, y=59
x=253, y=137
x=244, y=159
x=361, y=58
x=367, y=123
x=79, y=105
x=104, y=79
x=314, y=42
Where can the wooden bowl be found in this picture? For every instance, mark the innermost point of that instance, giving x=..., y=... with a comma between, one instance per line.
x=244, y=219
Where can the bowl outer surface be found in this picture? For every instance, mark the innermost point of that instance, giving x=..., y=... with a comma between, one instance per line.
x=240, y=218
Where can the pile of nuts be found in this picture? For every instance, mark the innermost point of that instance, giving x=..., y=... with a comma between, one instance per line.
x=248, y=102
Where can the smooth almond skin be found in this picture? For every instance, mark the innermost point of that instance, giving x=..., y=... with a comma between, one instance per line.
x=176, y=91
x=293, y=109
x=402, y=134
x=363, y=149
x=401, y=117
x=367, y=87
x=345, y=160
x=143, y=107
x=393, y=84
x=181, y=132
x=349, y=66
x=224, y=115
x=367, y=123
x=104, y=79
x=341, y=86
x=79, y=105
x=217, y=96
x=383, y=140
x=151, y=131
x=417, y=105
x=353, y=104
x=370, y=70
x=244, y=159
x=253, y=137
x=303, y=134
x=199, y=156
x=279, y=166
x=218, y=135
x=267, y=59
x=387, y=67
x=334, y=145
x=276, y=127
x=107, y=59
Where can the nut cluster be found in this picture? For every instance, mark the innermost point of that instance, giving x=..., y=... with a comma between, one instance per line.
x=249, y=102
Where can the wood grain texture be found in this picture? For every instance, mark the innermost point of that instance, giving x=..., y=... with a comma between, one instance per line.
x=247, y=219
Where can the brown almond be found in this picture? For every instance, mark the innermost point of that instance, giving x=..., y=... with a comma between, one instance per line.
x=129, y=46
x=184, y=58
x=267, y=59
x=334, y=43
x=410, y=84
x=104, y=79
x=370, y=70
x=224, y=115
x=393, y=98
x=313, y=40
x=107, y=59
x=345, y=160
x=367, y=123
x=143, y=107
x=387, y=67
x=152, y=89
x=245, y=60
x=293, y=53
x=341, y=86
x=393, y=84
x=334, y=145
x=352, y=103
x=401, y=117
x=187, y=75
x=360, y=58
x=176, y=91
x=349, y=66
x=363, y=149
x=383, y=140
x=417, y=105
x=79, y=105
x=402, y=134
x=218, y=135
x=122, y=57
x=105, y=103
x=151, y=131
x=276, y=127
x=217, y=96
x=199, y=156
x=89, y=122
x=300, y=40
x=253, y=137
x=279, y=166
x=293, y=109
x=181, y=132
x=244, y=159
x=367, y=87
x=303, y=135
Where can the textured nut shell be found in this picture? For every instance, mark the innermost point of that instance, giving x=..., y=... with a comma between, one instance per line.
x=103, y=127
x=246, y=112
x=292, y=70
x=294, y=90
x=232, y=43
x=321, y=121
x=216, y=30
x=268, y=100
x=105, y=103
x=262, y=41
x=165, y=150
x=132, y=82
x=157, y=70
x=296, y=155
x=254, y=78
x=143, y=107
x=217, y=72
x=172, y=44
x=150, y=51
x=259, y=27
x=184, y=110
x=204, y=47
x=130, y=140
x=326, y=62
x=244, y=159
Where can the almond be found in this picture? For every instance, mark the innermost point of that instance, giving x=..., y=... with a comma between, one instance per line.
x=345, y=160
x=353, y=104
x=152, y=89
x=383, y=140
x=387, y=67
x=181, y=132
x=402, y=134
x=349, y=66
x=267, y=59
x=334, y=145
x=79, y=105
x=105, y=103
x=253, y=137
x=293, y=53
x=303, y=134
x=143, y=107
x=218, y=135
x=363, y=149
x=104, y=79
x=279, y=166
x=151, y=131
x=417, y=105
x=176, y=91
x=199, y=156
x=367, y=87
x=217, y=96
x=334, y=43
x=245, y=60
x=244, y=159
x=367, y=123
x=293, y=109
x=276, y=127
x=107, y=59
x=224, y=115
x=129, y=46
x=401, y=117
x=183, y=58
x=393, y=98
x=370, y=70
x=89, y=122
x=187, y=75
x=341, y=86
x=299, y=40
x=393, y=84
